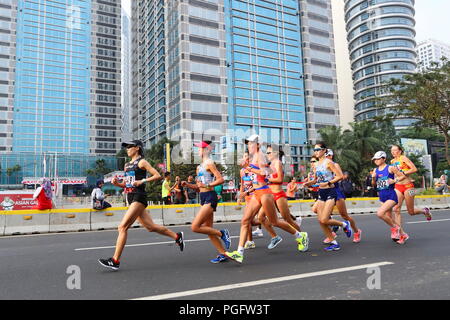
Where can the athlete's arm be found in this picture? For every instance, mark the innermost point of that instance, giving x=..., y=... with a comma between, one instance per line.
x=398, y=173
x=115, y=181
x=143, y=164
x=337, y=175
x=374, y=177
x=411, y=165
x=280, y=175
x=261, y=162
x=213, y=169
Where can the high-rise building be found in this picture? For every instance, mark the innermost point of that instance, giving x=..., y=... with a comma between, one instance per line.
x=234, y=65
x=319, y=58
x=381, y=40
x=65, y=67
x=430, y=51
x=126, y=77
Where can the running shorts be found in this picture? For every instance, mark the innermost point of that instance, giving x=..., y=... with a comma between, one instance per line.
x=279, y=195
x=388, y=194
x=209, y=197
x=258, y=193
x=340, y=195
x=248, y=198
x=402, y=188
x=137, y=197
x=327, y=194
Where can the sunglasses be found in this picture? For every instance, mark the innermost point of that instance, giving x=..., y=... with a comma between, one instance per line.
x=313, y=161
x=318, y=149
x=130, y=146
x=268, y=152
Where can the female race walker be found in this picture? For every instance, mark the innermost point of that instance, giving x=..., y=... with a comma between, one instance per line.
x=262, y=197
x=340, y=204
x=327, y=175
x=207, y=178
x=384, y=178
x=134, y=185
x=281, y=203
x=405, y=189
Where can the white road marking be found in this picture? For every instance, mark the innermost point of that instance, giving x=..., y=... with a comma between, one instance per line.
x=428, y=221
x=145, y=244
x=262, y=282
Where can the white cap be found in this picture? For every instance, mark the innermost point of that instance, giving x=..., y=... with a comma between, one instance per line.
x=253, y=138
x=379, y=155
x=329, y=153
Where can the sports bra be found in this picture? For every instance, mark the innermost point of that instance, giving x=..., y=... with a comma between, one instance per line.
x=204, y=175
x=257, y=178
x=322, y=172
x=132, y=174
x=274, y=175
x=400, y=164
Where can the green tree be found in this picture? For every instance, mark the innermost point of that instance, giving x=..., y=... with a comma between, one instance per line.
x=425, y=97
x=99, y=169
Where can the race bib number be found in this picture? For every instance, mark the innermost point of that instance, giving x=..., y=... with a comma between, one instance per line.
x=130, y=178
x=321, y=178
x=382, y=184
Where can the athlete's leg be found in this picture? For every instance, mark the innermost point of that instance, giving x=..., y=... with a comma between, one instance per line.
x=146, y=221
x=396, y=211
x=250, y=211
x=134, y=210
x=409, y=200
x=384, y=213
x=263, y=220
x=324, y=210
x=286, y=213
x=203, y=223
x=342, y=208
x=270, y=210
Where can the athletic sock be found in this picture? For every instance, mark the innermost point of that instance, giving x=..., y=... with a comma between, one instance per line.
x=115, y=261
x=240, y=250
x=297, y=234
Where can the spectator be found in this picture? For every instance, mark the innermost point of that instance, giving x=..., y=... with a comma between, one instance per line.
x=165, y=191
x=191, y=193
x=179, y=196
x=441, y=185
x=219, y=189
x=346, y=185
x=98, y=197
x=369, y=191
x=292, y=189
x=44, y=196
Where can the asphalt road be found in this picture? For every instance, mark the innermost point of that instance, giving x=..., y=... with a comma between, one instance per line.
x=64, y=266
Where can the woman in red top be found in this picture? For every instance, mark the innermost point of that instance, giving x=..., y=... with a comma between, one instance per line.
x=44, y=195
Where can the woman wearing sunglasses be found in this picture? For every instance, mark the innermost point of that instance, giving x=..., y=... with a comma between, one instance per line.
x=326, y=174
x=281, y=203
x=262, y=196
x=134, y=188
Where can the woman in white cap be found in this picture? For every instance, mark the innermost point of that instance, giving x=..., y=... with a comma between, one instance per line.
x=134, y=188
x=384, y=178
x=340, y=204
x=207, y=178
x=258, y=166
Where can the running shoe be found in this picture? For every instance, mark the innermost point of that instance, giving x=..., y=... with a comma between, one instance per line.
x=235, y=256
x=109, y=263
x=258, y=233
x=357, y=236
x=395, y=233
x=427, y=213
x=347, y=229
x=226, y=238
x=303, y=242
x=220, y=258
x=333, y=247
x=403, y=238
x=180, y=240
x=328, y=240
x=250, y=245
x=274, y=242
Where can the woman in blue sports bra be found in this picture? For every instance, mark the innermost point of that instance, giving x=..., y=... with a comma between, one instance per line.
x=207, y=178
x=384, y=178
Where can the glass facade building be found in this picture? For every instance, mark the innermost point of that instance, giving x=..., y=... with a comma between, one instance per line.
x=265, y=85
x=381, y=39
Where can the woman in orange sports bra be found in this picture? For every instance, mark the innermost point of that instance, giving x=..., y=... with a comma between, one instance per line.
x=405, y=188
x=280, y=197
x=262, y=197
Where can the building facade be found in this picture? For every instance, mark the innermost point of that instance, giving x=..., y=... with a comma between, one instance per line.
x=430, y=51
x=381, y=40
x=126, y=95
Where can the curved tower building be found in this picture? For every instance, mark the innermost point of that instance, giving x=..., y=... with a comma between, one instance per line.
x=381, y=40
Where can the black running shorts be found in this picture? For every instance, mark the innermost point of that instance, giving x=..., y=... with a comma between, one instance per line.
x=137, y=197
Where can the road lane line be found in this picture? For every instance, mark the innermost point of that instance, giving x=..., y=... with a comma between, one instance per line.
x=144, y=244
x=261, y=282
x=428, y=221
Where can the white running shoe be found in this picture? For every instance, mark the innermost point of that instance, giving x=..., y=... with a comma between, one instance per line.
x=250, y=245
x=258, y=233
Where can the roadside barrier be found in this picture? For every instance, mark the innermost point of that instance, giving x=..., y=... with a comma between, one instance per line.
x=61, y=220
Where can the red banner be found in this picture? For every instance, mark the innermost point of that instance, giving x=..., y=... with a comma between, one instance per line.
x=16, y=201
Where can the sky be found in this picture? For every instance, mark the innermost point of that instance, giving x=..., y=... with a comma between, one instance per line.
x=432, y=20
x=432, y=17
